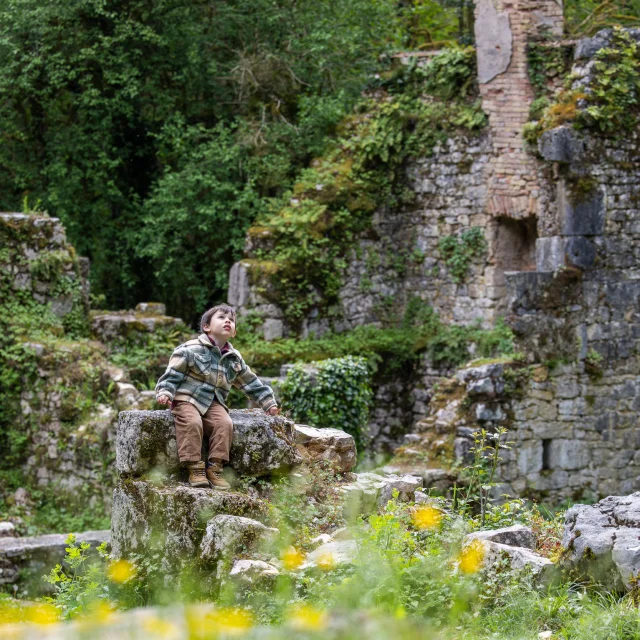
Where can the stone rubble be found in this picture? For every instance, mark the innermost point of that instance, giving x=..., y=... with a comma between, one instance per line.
x=602, y=541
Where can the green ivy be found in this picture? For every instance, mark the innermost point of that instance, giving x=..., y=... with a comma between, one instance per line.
x=612, y=102
x=458, y=252
x=330, y=393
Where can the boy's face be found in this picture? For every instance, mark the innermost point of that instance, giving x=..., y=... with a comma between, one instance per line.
x=222, y=325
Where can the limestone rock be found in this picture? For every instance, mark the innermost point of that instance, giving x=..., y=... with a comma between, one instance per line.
x=516, y=536
x=23, y=561
x=334, y=445
x=7, y=530
x=145, y=440
x=252, y=572
x=170, y=519
x=227, y=536
x=333, y=554
x=361, y=496
x=262, y=445
x=519, y=558
x=405, y=485
x=603, y=540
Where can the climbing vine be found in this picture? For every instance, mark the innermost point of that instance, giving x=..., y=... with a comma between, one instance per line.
x=458, y=252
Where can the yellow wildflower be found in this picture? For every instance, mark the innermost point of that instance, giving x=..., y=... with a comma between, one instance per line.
x=306, y=618
x=291, y=558
x=232, y=621
x=470, y=560
x=159, y=628
x=326, y=562
x=42, y=613
x=121, y=571
x=427, y=517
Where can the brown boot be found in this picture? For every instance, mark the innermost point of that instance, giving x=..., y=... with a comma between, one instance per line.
x=214, y=475
x=197, y=477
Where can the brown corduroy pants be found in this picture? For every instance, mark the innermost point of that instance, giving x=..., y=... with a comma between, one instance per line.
x=191, y=426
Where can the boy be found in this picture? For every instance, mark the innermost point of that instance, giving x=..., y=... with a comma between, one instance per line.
x=196, y=385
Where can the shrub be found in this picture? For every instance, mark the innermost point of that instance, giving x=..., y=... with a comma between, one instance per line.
x=330, y=393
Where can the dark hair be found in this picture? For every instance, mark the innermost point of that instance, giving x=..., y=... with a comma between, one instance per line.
x=206, y=318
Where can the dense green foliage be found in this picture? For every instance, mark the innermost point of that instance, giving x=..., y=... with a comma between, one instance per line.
x=308, y=235
x=332, y=393
x=610, y=104
x=388, y=349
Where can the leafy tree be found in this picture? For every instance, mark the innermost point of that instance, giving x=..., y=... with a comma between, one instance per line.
x=90, y=89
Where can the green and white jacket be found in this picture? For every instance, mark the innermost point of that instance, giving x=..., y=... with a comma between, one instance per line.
x=199, y=373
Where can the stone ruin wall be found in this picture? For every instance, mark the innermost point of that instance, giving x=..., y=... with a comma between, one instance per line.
x=485, y=180
x=562, y=228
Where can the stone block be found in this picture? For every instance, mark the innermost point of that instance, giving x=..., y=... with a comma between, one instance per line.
x=333, y=445
x=406, y=487
x=561, y=144
x=239, y=288
x=170, y=519
x=601, y=541
x=262, y=445
x=556, y=252
x=516, y=536
x=581, y=214
x=152, y=308
x=568, y=454
x=23, y=561
x=273, y=329
x=227, y=536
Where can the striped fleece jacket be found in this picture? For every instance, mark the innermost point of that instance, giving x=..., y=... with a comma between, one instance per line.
x=199, y=373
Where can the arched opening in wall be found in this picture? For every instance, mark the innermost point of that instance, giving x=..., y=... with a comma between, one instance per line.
x=514, y=248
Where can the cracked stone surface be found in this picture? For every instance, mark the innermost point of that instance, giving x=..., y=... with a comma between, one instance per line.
x=602, y=541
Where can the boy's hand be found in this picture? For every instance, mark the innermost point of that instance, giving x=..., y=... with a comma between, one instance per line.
x=163, y=400
x=274, y=411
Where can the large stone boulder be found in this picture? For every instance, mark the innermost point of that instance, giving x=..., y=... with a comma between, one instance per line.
x=23, y=561
x=332, y=445
x=602, y=541
x=262, y=445
x=170, y=519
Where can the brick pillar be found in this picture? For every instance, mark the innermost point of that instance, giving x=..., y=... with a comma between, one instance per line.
x=502, y=29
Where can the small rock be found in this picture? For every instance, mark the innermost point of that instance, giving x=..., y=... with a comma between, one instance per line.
x=405, y=485
x=323, y=538
x=333, y=445
x=252, y=572
x=516, y=536
x=333, y=554
x=152, y=308
x=7, y=530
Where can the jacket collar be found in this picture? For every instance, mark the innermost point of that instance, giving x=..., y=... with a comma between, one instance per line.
x=204, y=339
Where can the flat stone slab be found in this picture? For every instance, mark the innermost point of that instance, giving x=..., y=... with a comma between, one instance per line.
x=23, y=561
x=262, y=445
